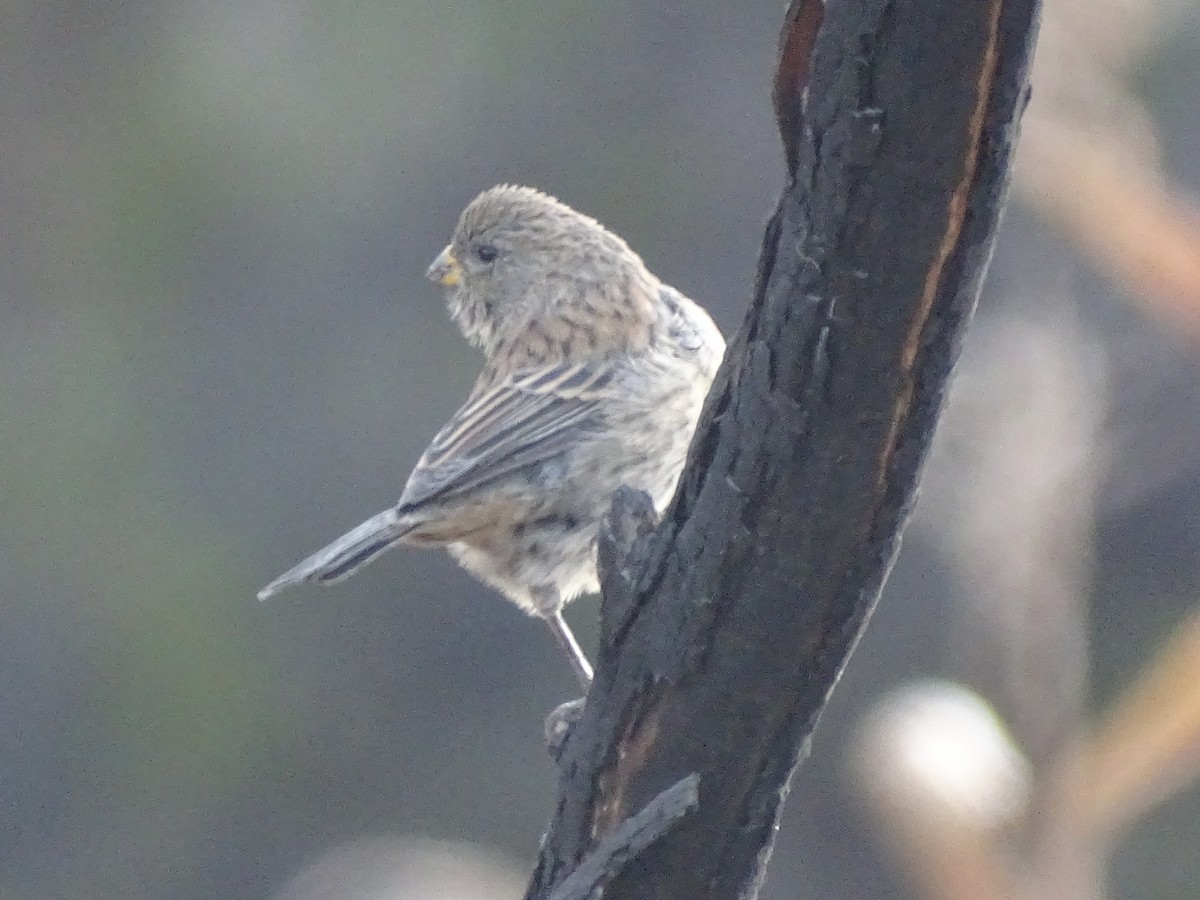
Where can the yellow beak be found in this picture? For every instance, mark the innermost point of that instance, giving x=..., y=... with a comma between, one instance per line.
x=446, y=269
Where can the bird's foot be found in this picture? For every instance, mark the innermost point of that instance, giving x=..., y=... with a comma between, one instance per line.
x=559, y=723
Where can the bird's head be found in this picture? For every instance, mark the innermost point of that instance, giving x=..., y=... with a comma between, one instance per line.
x=518, y=254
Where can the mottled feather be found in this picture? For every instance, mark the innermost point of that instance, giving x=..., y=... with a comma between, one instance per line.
x=594, y=376
x=524, y=420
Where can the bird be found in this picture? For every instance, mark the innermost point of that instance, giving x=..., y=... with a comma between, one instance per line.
x=594, y=376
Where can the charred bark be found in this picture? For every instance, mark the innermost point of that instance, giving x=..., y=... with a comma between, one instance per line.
x=726, y=626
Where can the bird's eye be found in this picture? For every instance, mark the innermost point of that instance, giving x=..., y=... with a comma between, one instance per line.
x=486, y=253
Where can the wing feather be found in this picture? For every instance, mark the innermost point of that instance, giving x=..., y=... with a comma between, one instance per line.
x=520, y=421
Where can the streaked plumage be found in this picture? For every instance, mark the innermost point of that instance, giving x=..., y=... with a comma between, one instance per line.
x=594, y=376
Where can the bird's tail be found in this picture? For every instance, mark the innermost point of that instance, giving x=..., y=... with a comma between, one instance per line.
x=345, y=556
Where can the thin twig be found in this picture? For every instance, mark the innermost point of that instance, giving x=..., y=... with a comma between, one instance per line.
x=629, y=839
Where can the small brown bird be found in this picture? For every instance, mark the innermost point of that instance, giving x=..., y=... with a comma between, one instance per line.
x=594, y=376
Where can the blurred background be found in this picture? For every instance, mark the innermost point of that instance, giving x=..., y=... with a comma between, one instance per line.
x=217, y=352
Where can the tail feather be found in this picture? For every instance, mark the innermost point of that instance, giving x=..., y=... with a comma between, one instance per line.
x=345, y=556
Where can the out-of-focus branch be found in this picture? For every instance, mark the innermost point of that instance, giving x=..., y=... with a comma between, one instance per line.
x=959, y=804
x=1120, y=212
x=1090, y=161
x=1010, y=501
x=944, y=779
x=1146, y=748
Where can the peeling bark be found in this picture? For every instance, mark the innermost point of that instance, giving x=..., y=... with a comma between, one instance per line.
x=726, y=626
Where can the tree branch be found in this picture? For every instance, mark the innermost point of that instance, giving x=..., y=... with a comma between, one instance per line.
x=725, y=629
x=635, y=834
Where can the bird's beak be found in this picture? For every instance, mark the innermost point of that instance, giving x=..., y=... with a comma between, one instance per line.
x=446, y=269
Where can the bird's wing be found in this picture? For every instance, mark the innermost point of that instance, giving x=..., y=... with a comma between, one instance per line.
x=519, y=421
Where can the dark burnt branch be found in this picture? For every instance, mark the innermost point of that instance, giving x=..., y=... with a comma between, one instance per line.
x=726, y=627
x=633, y=836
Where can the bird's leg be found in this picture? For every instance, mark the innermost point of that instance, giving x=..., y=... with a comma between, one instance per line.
x=547, y=605
x=561, y=719
x=566, y=640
